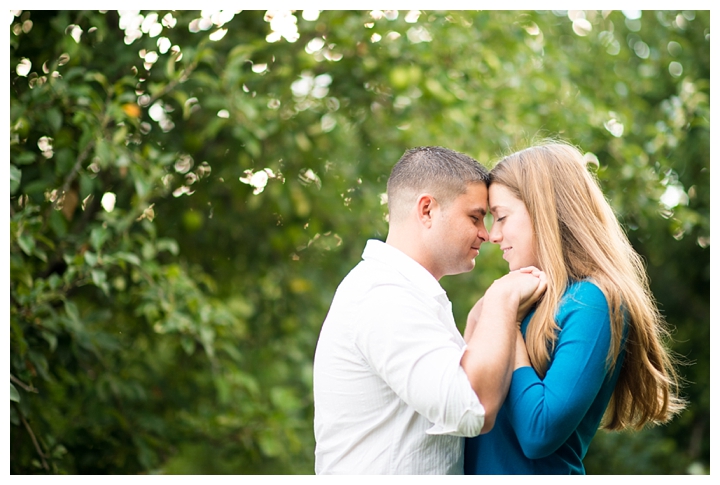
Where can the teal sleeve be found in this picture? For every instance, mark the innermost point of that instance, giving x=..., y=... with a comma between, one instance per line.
x=544, y=412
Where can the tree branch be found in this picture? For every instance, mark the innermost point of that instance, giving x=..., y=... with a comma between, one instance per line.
x=34, y=440
x=184, y=75
x=26, y=387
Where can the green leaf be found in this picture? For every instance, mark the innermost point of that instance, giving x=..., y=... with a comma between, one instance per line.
x=97, y=77
x=26, y=243
x=90, y=257
x=15, y=178
x=437, y=90
x=269, y=444
x=24, y=158
x=86, y=137
x=40, y=363
x=99, y=277
x=14, y=418
x=188, y=345
x=51, y=339
x=55, y=118
x=58, y=223
x=14, y=394
x=129, y=257
x=87, y=185
x=166, y=244
x=98, y=236
x=143, y=184
x=72, y=311
x=40, y=254
x=104, y=152
x=148, y=251
x=284, y=398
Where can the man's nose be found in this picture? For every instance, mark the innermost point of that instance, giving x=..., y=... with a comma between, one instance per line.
x=483, y=234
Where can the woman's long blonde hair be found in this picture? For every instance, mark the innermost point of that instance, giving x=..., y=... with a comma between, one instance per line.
x=577, y=236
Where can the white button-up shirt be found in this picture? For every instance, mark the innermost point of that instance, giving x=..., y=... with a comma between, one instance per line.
x=390, y=394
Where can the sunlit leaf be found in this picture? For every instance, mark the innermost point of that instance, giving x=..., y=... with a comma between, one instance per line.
x=14, y=394
x=15, y=178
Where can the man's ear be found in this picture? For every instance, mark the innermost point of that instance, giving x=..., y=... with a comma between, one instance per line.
x=426, y=207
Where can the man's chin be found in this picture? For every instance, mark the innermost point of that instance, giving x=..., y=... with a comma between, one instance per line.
x=465, y=269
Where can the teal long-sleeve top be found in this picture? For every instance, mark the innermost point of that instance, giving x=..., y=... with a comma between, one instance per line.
x=545, y=425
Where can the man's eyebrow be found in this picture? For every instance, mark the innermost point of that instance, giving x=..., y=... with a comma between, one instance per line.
x=480, y=210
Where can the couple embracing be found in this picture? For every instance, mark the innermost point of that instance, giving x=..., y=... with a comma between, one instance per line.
x=569, y=340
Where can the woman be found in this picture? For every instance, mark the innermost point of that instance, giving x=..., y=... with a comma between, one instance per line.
x=593, y=346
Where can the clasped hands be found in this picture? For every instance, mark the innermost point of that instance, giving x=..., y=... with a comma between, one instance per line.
x=523, y=287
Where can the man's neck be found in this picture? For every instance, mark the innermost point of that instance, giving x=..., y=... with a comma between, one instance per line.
x=410, y=242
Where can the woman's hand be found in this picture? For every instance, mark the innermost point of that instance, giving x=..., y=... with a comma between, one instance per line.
x=526, y=304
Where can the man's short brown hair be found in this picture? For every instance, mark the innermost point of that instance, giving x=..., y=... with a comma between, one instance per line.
x=438, y=171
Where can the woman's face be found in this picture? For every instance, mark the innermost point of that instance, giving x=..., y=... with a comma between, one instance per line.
x=512, y=228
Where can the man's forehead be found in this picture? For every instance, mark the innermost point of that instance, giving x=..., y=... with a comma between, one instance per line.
x=475, y=197
x=477, y=191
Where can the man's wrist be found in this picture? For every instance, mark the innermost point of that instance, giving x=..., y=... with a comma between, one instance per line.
x=502, y=295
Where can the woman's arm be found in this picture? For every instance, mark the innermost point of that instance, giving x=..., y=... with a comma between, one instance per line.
x=545, y=412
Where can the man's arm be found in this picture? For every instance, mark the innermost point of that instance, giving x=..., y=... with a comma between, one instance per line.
x=472, y=320
x=490, y=355
x=407, y=345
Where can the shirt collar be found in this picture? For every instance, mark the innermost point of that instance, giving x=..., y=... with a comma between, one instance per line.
x=413, y=271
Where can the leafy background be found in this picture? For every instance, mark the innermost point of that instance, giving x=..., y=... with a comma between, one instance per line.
x=188, y=188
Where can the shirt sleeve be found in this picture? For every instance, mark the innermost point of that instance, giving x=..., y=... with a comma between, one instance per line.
x=545, y=412
x=406, y=343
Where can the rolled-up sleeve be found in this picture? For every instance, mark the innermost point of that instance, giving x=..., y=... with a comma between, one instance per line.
x=410, y=348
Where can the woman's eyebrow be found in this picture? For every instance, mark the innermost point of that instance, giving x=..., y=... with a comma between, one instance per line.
x=494, y=208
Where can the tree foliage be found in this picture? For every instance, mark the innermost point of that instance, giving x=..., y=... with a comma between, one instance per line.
x=187, y=189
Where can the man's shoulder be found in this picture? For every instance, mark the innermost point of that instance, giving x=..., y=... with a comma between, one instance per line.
x=371, y=295
x=376, y=281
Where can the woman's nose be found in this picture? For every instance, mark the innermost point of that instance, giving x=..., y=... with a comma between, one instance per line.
x=495, y=234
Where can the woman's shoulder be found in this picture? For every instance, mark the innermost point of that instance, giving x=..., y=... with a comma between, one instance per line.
x=584, y=293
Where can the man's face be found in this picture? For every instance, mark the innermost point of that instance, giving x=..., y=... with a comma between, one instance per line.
x=458, y=231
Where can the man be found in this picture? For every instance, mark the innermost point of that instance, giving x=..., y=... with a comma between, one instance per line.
x=396, y=387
